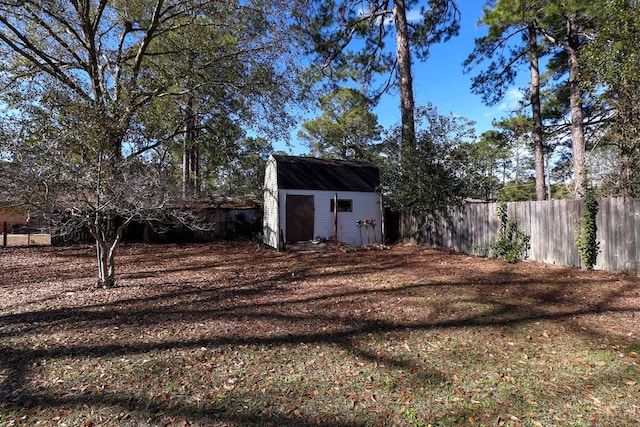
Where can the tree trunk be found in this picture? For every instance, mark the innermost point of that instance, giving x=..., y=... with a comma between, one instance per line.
x=105, y=250
x=407, y=104
x=106, y=270
x=185, y=167
x=146, y=233
x=538, y=145
x=190, y=184
x=575, y=101
x=103, y=264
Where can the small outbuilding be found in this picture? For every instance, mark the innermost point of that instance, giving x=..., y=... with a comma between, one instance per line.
x=308, y=199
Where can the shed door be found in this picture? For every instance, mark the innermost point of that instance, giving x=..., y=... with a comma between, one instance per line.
x=299, y=218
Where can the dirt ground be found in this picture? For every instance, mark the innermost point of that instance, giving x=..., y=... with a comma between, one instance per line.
x=235, y=334
x=44, y=275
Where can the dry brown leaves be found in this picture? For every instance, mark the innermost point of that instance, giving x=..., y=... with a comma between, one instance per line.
x=160, y=286
x=203, y=304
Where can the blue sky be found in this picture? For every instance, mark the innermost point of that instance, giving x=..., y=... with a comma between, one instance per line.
x=440, y=80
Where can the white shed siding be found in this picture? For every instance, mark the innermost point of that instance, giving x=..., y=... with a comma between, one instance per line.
x=364, y=206
x=271, y=208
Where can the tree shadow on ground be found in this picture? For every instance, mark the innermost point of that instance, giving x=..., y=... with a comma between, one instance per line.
x=274, y=307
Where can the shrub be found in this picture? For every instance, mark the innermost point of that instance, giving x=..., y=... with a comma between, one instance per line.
x=512, y=244
x=588, y=246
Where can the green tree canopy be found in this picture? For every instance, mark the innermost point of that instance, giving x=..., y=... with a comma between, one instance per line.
x=346, y=129
x=485, y=164
x=612, y=65
x=425, y=178
x=101, y=90
x=350, y=41
x=567, y=26
x=511, y=42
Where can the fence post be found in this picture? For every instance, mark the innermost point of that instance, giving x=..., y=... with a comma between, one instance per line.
x=4, y=234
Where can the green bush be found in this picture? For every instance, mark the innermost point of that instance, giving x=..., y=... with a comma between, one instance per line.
x=588, y=246
x=512, y=244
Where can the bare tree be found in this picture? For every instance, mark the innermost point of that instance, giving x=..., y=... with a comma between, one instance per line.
x=86, y=88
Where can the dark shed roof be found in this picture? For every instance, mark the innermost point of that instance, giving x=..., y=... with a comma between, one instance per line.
x=308, y=173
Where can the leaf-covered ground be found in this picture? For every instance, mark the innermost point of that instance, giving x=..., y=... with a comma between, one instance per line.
x=235, y=334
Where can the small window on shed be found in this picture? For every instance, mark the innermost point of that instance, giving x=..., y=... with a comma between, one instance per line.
x=344, y=205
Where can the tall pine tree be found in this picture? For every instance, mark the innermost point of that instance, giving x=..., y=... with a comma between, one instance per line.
x=511, y=42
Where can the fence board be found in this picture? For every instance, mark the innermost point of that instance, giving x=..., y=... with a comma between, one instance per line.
x=602, y=231
x=620, y=238
x=605, y=257
x=561, y=228
x=612, y=236
x=635, y=261
x=553, y=226
x=534, y=250
x=629, y=247
x=552, y=244
x=544, y=213
x=578, y=212
x=538, y=232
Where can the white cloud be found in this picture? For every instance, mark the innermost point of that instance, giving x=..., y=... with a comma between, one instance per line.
x=509, y=103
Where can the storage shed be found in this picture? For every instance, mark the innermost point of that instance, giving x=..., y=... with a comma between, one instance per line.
x=307, y=198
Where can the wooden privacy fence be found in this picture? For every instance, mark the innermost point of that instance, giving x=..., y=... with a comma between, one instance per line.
x=553, y=226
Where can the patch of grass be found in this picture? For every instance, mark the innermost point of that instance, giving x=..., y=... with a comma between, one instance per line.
x=236, y=335
x=35, y=239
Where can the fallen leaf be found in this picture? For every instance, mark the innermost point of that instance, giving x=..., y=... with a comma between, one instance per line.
x=291, y=410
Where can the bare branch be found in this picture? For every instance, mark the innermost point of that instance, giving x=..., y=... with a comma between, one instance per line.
x=37, y=57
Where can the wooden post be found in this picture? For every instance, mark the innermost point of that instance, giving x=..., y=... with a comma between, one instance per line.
x=335, y=217
x=4, y=234
x=282, y=246
x=382, y=223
